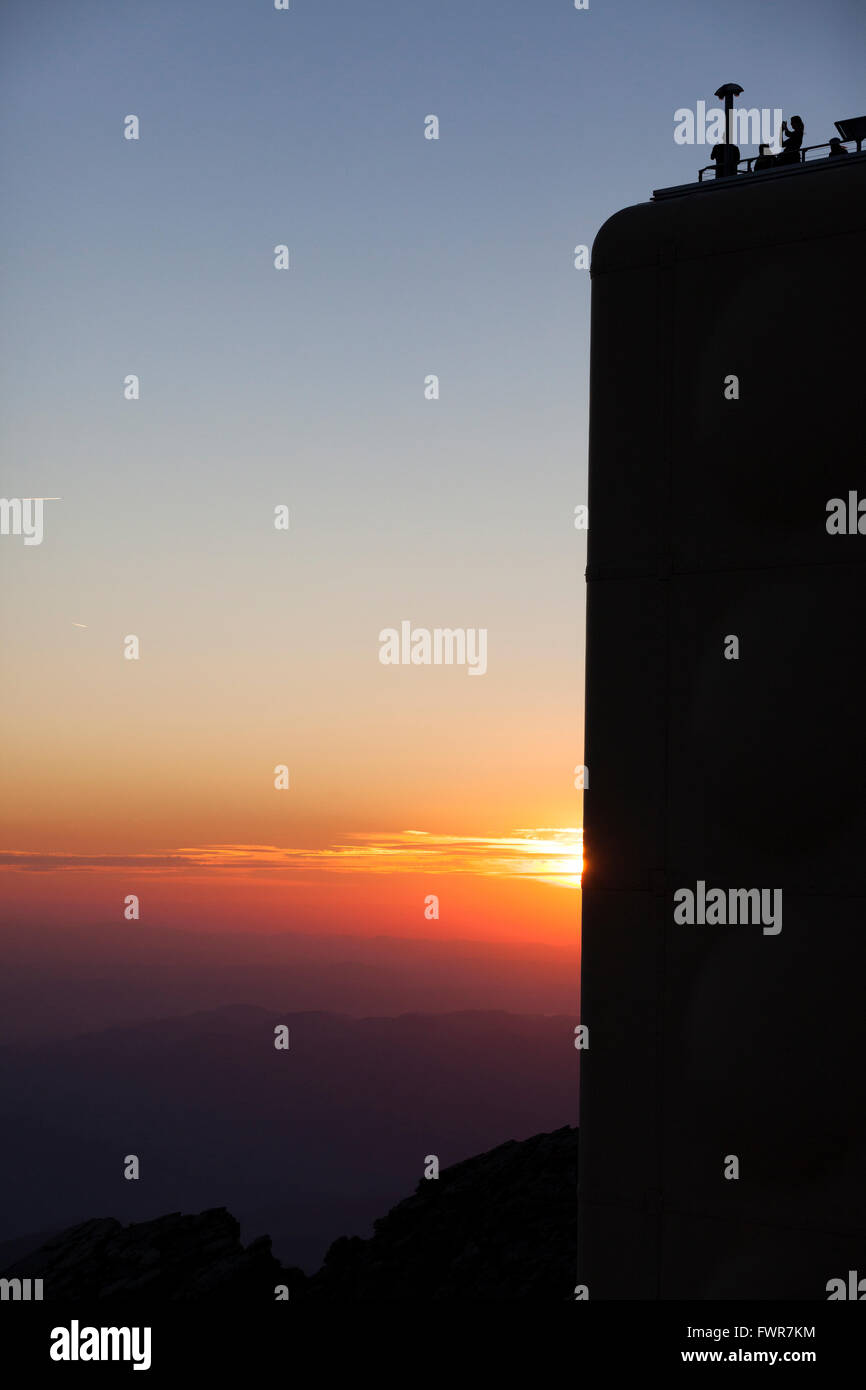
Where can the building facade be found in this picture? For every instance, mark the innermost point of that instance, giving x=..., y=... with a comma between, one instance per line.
x=722, y=1122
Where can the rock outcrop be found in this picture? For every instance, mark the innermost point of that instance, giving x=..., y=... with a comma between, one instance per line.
x=173, y=1258
x=501, y=1225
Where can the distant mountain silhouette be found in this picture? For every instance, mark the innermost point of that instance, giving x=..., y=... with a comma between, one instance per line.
x=306, y=1144
x=59, y=982
x=500, y=1225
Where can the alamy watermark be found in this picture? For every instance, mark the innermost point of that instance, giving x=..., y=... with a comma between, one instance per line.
x=22, y=516
x=441, y=646
x=729, y=907
x=749, y=126
x=846, y=518
x=76, y=1343
x=21, y=1290
x=854, y=1288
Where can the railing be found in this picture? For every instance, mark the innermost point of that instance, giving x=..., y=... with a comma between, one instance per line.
x=786, y=164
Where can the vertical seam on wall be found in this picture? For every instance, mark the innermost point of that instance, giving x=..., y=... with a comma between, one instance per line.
x=666, y=289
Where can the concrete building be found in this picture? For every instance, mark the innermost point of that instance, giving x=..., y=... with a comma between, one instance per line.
x=723, y=1125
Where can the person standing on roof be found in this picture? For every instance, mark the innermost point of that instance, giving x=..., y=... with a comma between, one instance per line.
x=792, y=139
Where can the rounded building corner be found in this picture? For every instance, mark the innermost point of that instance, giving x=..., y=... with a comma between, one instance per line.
x=620, y=238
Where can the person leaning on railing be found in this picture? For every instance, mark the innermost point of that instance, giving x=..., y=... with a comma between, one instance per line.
x=792, y=140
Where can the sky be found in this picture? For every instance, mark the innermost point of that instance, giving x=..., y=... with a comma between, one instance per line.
x=306, y=388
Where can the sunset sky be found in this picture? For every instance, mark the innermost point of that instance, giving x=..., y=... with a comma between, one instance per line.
x=259, y=647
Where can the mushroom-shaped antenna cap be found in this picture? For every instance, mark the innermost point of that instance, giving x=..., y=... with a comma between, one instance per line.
x=730, y=89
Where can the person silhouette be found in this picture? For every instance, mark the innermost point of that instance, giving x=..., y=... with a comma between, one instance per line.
x=792, y=139
x=836, y=147
x=726, y=158
x=765, y=160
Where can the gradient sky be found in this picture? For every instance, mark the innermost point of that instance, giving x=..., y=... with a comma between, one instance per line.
x=409, y=257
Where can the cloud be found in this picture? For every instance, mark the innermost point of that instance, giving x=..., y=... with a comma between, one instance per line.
x=548, y=854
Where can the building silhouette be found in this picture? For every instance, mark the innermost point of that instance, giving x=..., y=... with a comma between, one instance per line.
x=726, y=422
